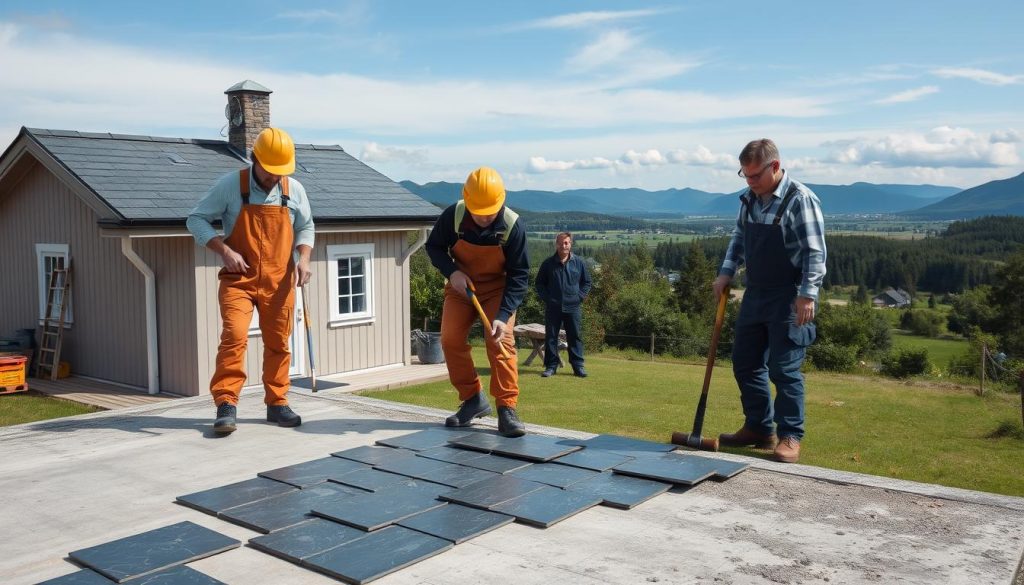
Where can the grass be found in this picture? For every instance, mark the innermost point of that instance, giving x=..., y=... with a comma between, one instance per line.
x=914, y=430
x=26, y=407
x=940, y=350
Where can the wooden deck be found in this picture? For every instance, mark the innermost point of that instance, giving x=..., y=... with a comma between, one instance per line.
x=93, y=393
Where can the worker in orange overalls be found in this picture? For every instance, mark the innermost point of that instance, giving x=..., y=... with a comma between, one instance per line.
x=266, y=218
x=481, y=242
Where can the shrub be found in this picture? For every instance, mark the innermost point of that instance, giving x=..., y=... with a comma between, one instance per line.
x=923, y=322
x=857, y=326
x=832, y=356
x=905, y=362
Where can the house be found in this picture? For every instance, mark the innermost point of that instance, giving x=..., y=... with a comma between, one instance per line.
x=143, y=308
x=892, y=298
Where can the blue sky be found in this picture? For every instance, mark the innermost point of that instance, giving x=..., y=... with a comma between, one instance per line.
x=555, y=95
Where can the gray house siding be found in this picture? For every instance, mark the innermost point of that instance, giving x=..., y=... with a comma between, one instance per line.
x=171, y=261
x=108, y=337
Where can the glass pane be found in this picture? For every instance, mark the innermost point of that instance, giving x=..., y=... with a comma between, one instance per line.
x=357, y=285
x=343, y=286
x=344, y=305
x=357, y=265
x=358, y=303
x=342, y=266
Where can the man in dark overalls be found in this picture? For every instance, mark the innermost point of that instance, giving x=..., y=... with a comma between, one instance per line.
x=563, y=283
x=780, y=237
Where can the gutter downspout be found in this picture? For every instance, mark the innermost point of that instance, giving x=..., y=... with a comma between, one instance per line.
x=422, y=239
x=152, y=344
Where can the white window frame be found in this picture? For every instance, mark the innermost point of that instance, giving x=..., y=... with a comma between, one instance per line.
x=44, y=251
x=345, y=251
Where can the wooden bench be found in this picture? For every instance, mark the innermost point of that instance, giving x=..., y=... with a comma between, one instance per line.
x=535, y=333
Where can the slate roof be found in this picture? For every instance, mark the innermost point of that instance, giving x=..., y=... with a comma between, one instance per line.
x=151, y=181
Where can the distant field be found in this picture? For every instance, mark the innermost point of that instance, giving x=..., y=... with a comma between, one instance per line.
x=940, y=351
x=596, y=239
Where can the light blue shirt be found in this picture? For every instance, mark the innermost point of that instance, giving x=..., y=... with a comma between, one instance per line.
x=224, y=202
x=803, y=233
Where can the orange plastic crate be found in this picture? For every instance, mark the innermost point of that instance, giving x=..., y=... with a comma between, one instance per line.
x=12, y=374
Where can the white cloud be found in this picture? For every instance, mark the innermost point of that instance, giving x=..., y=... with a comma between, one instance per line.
x=941, y=147
x=1009, y=136
x=351, y=13
x=979, y=75
x=619, y=58
x=373, y=152
x=910, y=95
x=609, y=48
x=585, y=19
x=632, y=160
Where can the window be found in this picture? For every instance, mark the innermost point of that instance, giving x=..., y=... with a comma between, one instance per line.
x=350, y=283
x=48, y=257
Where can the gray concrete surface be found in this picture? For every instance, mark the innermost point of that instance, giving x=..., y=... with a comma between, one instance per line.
x=86, y=480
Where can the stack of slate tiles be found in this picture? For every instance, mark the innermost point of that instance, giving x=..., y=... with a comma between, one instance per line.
x=365, y=512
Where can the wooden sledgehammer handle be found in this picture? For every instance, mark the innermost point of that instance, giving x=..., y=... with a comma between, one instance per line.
x=471, y=293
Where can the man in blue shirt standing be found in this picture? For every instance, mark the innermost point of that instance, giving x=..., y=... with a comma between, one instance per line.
x=563, y=283
x=780, y=236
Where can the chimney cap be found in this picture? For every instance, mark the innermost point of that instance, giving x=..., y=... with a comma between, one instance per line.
x=248, y=85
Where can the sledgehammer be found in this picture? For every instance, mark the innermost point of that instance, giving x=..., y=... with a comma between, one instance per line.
x=693, y=439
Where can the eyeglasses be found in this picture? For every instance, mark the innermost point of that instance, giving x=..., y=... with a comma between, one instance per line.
x=756, y=175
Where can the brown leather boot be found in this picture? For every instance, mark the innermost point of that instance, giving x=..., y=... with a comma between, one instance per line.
x=748, y=438
x=788, y=450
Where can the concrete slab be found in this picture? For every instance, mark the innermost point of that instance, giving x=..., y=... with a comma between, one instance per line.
x=773, y=523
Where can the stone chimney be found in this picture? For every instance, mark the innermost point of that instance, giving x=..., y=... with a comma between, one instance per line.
x=248, y=114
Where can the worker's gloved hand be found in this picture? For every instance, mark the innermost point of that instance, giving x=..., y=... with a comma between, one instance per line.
x=233, y=261
x=459, y=281
x=498, y=329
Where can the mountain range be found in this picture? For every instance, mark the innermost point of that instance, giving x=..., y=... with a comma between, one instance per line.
x=1001, y=197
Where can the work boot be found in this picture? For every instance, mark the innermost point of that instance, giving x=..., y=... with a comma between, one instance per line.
x=748, y=438
x=283, y=415
x=579, y=372
x=226, y=415
x=475, y=407
x=548, y=372
x=509, y=424
x=788, y=450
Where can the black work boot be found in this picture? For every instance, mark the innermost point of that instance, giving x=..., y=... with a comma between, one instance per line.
x=226, y=415
x=475, y=407
x=509, y=424
x=283, y=415
x=579, y=372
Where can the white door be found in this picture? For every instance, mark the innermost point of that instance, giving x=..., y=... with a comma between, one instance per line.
x=297, y=342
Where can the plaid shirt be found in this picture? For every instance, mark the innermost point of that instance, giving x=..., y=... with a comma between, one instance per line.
x=803, y=233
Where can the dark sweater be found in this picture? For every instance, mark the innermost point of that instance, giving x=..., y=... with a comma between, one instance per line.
x=563, y=285
x=517, y=264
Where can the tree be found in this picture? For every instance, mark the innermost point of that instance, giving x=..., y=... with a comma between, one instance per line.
x=861, y=296
x=426, y=290
x=1007, y=298
x=693, y=291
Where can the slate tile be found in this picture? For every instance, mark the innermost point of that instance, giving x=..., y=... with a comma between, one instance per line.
x=216, y=500
x=436, y=471
x=531, y=447
x=180, y=575
x=82, y=577
x=313, y=472
x=376, y=554
x=559, y=476
x=456, y=523
x=321, y=385
x=371, y=480
x=373, y=455
x=423, y=440
x=622, y=445
x=476, y=459
x=134, y=556
x=376, y=510
x=288, y=510
x=489, y=492
x=305, y=540
x=681, y=469
x=620, y=491
x=593, y=459
x=547, y=506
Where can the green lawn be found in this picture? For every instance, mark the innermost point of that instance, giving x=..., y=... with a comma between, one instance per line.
x=940, y=350
x=915, y=431
x=26, y=407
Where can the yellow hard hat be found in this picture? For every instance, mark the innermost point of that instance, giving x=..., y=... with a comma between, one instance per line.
x=484, y=191
x=275, y=151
